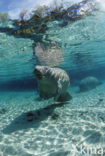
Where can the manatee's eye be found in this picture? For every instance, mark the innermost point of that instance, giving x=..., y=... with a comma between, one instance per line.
x=38, y=74
x=46, y=69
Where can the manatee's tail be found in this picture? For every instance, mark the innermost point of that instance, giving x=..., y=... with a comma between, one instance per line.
x=64, y=97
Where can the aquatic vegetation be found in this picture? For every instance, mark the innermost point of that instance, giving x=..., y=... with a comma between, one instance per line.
x=57, y=11
x=80, y=9
x=42, y=15
x=43, y=11
x=30, y=30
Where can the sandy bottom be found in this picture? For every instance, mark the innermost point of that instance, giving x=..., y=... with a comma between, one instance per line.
x=29, y=127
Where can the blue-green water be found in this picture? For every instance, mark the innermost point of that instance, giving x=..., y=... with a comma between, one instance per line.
x=30, y=126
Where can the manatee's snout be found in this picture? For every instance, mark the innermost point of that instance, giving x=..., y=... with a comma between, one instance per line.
x=41, y=71
x=38, y=73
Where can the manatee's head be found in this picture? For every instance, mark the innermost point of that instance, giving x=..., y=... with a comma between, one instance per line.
x=41, y=71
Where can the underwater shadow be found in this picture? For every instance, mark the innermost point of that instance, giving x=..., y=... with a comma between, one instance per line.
x=23, y=84
x=32, y=119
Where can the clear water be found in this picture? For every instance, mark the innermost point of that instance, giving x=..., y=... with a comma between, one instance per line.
x=54, y=129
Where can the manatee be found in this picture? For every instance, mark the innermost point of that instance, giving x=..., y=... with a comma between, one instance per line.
x=52, y=82
x=89, y=83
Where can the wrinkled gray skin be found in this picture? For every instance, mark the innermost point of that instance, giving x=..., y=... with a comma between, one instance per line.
x=52, y=82
x=89, y=83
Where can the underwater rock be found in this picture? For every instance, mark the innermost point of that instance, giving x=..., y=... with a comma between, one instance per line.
x=89, y=83
x=52, y=82
x=50, y=56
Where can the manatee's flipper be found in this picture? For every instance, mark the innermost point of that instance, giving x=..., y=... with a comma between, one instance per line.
x=59, y=89
x=64, y=97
